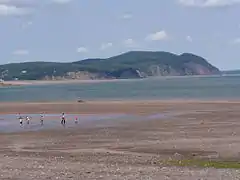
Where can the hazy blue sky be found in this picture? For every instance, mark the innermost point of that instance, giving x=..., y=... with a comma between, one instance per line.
x=70, y=30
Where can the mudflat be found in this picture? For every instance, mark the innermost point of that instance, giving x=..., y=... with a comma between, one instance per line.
x=120, y=106
x=196, y=131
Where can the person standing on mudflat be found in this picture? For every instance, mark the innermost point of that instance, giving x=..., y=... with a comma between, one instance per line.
x=20, y=119
x=63, y=121
x=41, y=120
x=76, y=120
x=28, y=119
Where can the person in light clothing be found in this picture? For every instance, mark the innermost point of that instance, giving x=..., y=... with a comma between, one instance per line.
x=28, y=119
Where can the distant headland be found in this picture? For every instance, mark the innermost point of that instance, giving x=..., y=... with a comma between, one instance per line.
x=133, y=64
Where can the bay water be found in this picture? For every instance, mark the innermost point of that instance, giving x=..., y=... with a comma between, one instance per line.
x=157, y=88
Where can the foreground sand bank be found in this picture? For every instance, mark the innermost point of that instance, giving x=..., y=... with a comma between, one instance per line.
x=130, y=149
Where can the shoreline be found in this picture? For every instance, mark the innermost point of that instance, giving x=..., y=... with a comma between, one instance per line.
x=7, y=84
x=74, y=81
x=49, y=82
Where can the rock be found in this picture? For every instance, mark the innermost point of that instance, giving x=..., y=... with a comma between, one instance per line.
x=178, y=156
x=80, y=101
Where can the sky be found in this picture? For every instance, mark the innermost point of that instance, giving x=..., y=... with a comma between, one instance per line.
x=72, y=30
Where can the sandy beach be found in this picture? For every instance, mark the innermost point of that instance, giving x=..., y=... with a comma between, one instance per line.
x=46, y=82
x=126, y=149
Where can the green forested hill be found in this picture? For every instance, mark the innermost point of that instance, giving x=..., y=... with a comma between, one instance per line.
x=134, y=64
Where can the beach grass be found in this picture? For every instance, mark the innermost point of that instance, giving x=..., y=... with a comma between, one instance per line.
x=204, y=163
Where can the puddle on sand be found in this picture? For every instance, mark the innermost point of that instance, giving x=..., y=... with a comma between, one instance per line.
x=10, y=122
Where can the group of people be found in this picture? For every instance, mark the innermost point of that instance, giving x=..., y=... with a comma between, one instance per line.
x=63, y=121
x=27, y=118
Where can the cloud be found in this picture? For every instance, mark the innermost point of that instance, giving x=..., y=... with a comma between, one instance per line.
x=21, y=52
x=157, y=36
x=236, y=41
x=17, y=2
x=61, y=1
x=189, y=39
x=82, y=50
x=32, y=2
x=208, y=3
x=106, y=45
x=24, y=7
x=127, y=16
x=129, y=43
x=27, y=24
x=9, y=10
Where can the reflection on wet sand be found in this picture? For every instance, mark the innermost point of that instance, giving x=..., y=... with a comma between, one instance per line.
x=9, y=122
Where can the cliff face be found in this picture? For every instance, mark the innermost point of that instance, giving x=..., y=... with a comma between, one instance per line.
x=187, y=70
x=135, y=64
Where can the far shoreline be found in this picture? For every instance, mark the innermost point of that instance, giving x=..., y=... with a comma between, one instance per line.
x=91, y=81
x=49, y=82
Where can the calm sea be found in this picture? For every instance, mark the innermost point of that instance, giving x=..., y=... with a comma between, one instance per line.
x=203, y=88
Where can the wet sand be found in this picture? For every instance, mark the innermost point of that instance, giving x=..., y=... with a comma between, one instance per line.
x=131, y=107
x=126, y=147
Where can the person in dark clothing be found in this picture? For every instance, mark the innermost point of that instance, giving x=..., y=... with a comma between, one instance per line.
x=63, y=121
x=76, y=120
x=20, y=120
x=41, y=120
